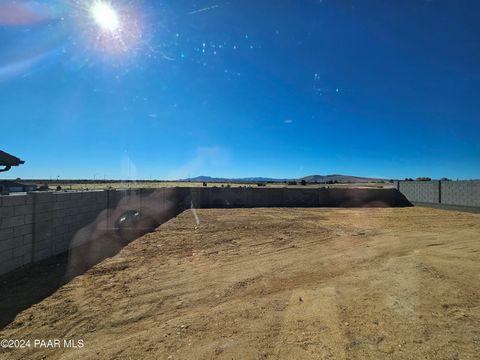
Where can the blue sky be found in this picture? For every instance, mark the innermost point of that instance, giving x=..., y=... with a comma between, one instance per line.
x=240, y=88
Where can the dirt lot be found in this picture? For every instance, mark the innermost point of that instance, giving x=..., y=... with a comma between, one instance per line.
x=275, y=284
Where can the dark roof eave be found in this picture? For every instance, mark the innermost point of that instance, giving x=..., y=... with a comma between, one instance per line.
x=8, y=160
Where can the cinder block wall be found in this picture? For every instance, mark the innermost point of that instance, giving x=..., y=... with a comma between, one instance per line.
x=57, y=217
x=421, y=191
x=298, y=197
x=463, y=193
x=459, y=193
x=16, y=229
x=37, y=226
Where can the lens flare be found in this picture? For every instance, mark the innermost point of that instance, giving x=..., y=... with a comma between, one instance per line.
x=105, y=16
x=107, y=30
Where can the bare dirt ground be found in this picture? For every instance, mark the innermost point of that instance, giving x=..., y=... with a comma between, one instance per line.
x=275, y=284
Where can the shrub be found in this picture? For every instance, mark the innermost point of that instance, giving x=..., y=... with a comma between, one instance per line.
x=204, y=183
x=261, y=184
x=59, y=188
x=292, y=183
x=303, y=182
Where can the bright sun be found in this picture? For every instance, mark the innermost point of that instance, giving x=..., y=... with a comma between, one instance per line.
x=105, y=16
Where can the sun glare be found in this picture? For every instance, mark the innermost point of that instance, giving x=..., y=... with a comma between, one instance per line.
x=105, y=16
x=111, y=28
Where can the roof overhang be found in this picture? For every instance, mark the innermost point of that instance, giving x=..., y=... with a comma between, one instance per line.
x=7, y=161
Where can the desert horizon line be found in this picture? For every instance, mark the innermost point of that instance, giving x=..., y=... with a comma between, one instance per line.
x=201, y=178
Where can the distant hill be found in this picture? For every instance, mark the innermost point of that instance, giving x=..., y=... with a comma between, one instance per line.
x=310, y=178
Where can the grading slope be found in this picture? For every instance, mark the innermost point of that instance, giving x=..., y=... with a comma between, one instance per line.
x=398, y=283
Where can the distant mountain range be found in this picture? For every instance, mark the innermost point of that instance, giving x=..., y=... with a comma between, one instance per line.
x=311, y=178
x=339, y=178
